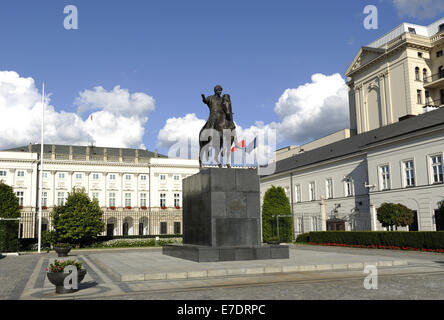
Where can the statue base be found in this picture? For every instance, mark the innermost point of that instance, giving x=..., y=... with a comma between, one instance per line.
x=221, y=218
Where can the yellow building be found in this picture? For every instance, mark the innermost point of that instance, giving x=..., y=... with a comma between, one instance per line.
x=397, y=76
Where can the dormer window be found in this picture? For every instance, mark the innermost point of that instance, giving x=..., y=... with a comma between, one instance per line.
x=441, y=27
x=412, y=30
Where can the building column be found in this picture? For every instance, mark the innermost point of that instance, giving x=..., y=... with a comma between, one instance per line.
x=323, y=215
x=373, y=219
x=358, y=109
x=382, y=99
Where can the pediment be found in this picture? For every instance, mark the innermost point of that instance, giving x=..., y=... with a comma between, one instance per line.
x=364, y=56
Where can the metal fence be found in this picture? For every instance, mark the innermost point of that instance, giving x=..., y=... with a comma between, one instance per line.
x=119, y=222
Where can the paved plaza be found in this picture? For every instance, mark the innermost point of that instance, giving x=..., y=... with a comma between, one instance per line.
x=147, y=274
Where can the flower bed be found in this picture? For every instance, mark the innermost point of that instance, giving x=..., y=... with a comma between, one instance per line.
x=427, y=241
x=130, y=243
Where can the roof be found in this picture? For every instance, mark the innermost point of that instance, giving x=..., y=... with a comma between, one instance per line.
x=81, y=150
x=358, y=143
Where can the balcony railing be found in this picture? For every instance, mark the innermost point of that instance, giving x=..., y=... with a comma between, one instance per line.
x=434, y=77
x=433, y=103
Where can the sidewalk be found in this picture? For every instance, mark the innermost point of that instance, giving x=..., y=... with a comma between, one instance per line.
x=152, y=265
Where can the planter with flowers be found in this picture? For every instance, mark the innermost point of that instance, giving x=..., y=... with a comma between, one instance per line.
x=128, y=207
x=143, y=207
x=112, y=208
x=62, y=249
x=56, y=275
x=177, y=207
x=163, y=208
x=44, y=208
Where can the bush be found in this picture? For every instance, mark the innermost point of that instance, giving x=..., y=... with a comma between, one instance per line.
x=394, y=215
x=9, y=208
x=276, y=203
x=303, y=238
x=79, y=221
x=419, y=239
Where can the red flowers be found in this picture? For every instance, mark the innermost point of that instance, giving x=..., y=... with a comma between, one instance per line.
x=143, y=207
x=372, y=246
x=163, y=207
x=112, y=208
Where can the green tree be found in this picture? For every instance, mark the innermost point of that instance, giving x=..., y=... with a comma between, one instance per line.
x=276, y=203
x=9, y=208
x=79, y=220
x=394, y=215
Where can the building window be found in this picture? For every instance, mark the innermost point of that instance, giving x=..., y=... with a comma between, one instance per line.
x=95, y=195
x=127, y=199
x=412, y=30
x=61, y=175
x=44, y=199
x=439, y=53
x=143, y=199
x=329, y=188
x=20, y=196
x=349, y=187
x=60, y=198
x=95, y=176
x=297, y=193
x=128, y=177
x=163, y=199
x=176, y=178
x=112, y=176
x=409, y=173
x=385, y=177
x=419, y=96
x=176, y=227
x=416, y=73
x=424, y=75
x=177, y=200
x=45, y=175
x=312, y=191
x=436, y=164
x=300, y=225
x=143, y=177
x=419, y=54
x=163, y=228
x=112, y=199
x=20, y=173
x=162, y=177
x=78, y=176
x=2, y=173
x=314, y=223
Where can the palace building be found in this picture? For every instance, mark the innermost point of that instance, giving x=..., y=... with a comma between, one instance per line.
x=139, y=191
x=396, y=145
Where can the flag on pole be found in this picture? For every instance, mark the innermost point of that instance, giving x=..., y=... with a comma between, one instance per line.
x=252, y=145
x=241, y=144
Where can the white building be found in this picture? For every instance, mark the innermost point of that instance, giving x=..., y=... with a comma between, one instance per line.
x=139, y=191
x=397, y=154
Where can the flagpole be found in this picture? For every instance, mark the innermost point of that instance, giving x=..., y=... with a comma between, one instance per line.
x=41, y=171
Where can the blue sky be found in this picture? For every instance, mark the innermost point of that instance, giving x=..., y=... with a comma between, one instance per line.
x=175, y=50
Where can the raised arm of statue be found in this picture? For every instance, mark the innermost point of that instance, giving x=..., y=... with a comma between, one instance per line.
x=204, y=100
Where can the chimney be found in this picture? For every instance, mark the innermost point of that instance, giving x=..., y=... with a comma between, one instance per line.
x=105, y=154
x=30, y=147
x=53, y=152
x=120, y=155
x=70, y=152
x=137, y=156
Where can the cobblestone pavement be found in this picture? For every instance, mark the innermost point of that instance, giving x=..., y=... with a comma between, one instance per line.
x=14, y=273
x=392, y=287
x=24, y=277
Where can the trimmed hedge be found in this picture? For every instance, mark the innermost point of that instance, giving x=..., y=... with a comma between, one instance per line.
x=419, y=239
x=303, y=238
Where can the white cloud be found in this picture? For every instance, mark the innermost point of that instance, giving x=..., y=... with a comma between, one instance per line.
x=119, y=117
x=420, y=9
x=307, y=112
x=313, y=110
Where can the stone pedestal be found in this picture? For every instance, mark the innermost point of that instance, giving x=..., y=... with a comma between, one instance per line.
x=221, y=218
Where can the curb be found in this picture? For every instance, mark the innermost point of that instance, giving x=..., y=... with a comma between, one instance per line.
x=217, y=273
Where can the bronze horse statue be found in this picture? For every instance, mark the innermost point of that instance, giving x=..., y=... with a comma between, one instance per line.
x=220, y=119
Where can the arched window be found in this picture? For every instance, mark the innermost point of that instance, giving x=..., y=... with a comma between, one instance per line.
x=424, y=74
x=416, y=73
